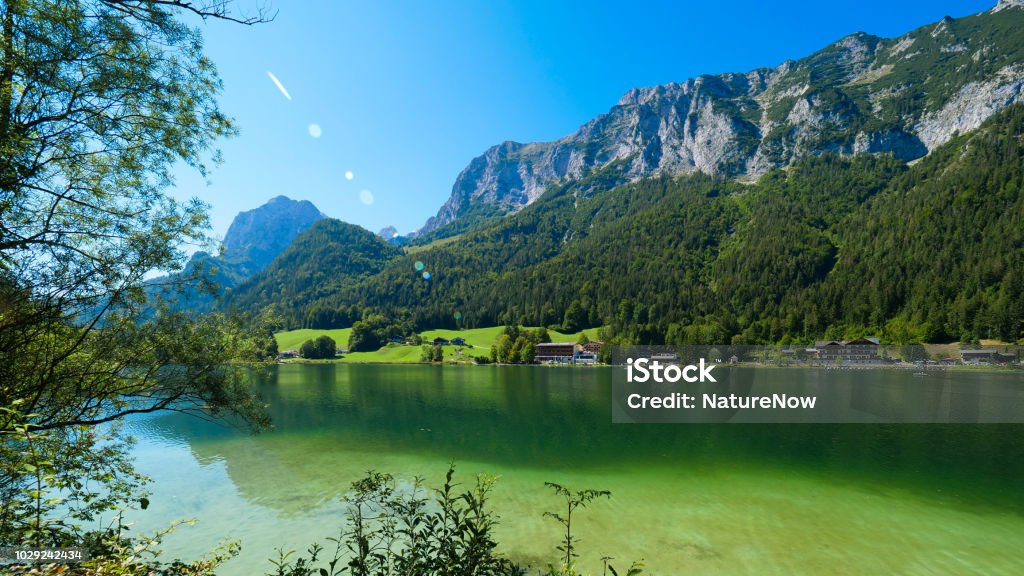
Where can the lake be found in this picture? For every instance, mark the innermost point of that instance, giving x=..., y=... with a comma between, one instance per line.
x=686, y=498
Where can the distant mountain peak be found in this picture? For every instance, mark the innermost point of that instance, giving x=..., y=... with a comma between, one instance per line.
x=388, y=232
x=256, y=236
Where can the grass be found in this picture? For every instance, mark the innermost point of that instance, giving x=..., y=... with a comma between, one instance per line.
x=478, y=343
x=390, y=354
x=292, y=339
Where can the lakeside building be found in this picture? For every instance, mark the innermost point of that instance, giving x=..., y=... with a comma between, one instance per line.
x=858, y=351
x=555, y=353
x=985, y=357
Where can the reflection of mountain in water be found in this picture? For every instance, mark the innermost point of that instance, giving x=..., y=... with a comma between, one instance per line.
x=333, y=422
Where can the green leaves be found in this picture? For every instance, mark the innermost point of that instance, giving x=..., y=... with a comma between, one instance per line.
x=573, y=499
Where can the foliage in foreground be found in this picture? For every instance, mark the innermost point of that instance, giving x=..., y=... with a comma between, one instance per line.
x=396, y=528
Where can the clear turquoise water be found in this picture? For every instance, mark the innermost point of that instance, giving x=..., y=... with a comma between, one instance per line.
x=696, y=499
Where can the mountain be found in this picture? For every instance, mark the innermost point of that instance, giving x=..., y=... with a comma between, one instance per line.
x=836, y=246
x=888, y=203
x=257, y=236
x=329, y=257
x=388, y=232
x=904, y=96
x=253, y=240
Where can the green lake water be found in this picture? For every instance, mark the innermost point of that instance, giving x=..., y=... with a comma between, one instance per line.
x=686, y=499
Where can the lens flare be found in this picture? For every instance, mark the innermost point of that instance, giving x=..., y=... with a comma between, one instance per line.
x=315, y=131
x=426, y=275
x=419, y=266
x=279, y=85
x=349, y=175
x=366, y=197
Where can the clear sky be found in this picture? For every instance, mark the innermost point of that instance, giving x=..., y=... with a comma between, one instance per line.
x=405, y=94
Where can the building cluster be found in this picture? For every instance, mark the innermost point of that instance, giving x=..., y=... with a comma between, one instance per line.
x=846, y=352
x=863, y=351
x=568, y=353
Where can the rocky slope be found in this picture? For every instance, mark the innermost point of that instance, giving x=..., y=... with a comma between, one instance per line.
x=863, y=94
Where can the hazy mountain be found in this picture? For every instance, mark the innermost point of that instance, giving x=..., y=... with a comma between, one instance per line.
x=253, y=240
x=257, y=236
x=862, y=94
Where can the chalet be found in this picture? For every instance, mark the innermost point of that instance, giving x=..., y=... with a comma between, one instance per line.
x=859, y=351
x=458, y=341
x=593, y=346
x=441, y=341
x=555, y=353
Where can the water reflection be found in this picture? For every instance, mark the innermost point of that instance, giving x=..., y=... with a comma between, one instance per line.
x=332, y=422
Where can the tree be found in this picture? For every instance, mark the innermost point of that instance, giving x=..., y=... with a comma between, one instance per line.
x=528, y=353
x=363, y=338
x=503, y=349
x=325, y=346
x=99, y=100
x=308, y=350
x=514, y=351
x=575, y=317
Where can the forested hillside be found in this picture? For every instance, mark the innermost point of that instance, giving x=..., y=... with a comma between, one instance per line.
x=832, y=246
x=325, y=260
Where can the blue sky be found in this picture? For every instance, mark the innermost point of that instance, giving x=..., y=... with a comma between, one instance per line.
x=405, y=94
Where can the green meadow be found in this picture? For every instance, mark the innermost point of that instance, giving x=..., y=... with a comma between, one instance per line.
x=478, y=343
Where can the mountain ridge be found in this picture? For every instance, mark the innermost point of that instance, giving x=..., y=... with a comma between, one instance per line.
x=861, y=94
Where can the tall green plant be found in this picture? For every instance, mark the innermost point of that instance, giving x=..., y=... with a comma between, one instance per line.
x=573, y=499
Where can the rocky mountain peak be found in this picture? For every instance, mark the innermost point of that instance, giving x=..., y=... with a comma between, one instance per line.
x=256, y=236
x=1004, y=4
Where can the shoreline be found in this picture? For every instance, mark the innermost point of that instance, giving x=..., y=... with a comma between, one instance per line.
x=929, y=370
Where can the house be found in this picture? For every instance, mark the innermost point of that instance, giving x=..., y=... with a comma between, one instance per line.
x=555, y=352
x=458, y=341
x=593, y=346
x=441, y=341
x=858, y=351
